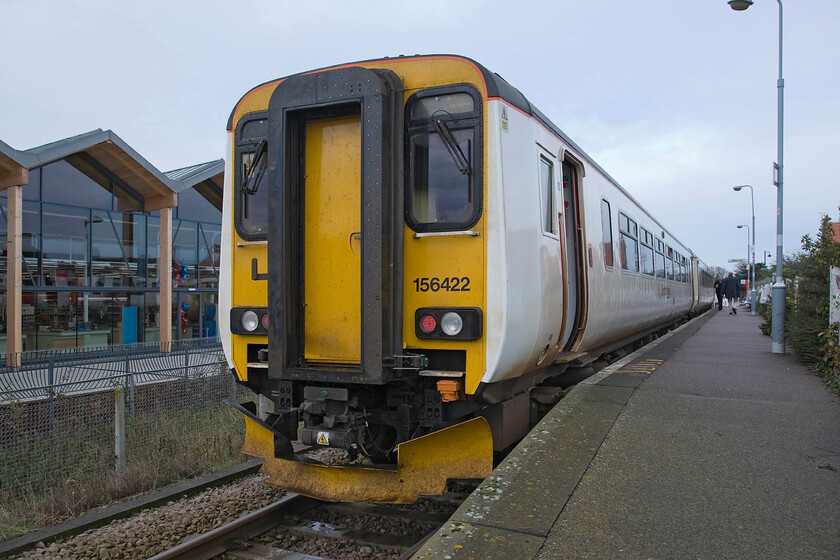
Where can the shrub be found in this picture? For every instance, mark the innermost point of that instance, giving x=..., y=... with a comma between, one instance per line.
x=808, y=306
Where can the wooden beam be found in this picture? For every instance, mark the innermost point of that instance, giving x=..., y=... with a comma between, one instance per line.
x=14, y=280
x=160, y=201
x=165, y=279
x=14, y=177
x=114, y=158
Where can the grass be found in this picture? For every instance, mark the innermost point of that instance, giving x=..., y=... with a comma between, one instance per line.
x=49, y=476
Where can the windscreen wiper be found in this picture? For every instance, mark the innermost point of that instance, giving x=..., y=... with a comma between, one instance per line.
x=452, y=146
x=254, y=174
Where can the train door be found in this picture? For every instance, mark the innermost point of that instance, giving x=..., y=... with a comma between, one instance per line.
x=551, y=258
x=332, y=238
x=574, y=244
x=335, y=226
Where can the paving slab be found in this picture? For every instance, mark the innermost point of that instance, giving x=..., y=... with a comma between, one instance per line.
x=464, y=541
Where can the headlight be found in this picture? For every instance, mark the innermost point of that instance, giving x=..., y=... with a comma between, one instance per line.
x=451, y=323
x=250, y=321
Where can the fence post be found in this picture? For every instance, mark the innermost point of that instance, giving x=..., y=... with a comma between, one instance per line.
x=129, y=378
x=119, y=434
x=187, y=366
x=51, y=384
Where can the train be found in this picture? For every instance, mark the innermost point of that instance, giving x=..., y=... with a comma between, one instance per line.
x=412, y=256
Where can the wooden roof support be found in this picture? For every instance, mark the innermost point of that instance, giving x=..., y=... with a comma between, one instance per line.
x=165, y=279
x=17, y=176
x=14, y=279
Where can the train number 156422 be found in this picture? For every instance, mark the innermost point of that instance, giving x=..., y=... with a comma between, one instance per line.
x=453, y=284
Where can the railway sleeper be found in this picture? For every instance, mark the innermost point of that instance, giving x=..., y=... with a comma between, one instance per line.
x=262, y=552
x=360, y=537
x=431, y=517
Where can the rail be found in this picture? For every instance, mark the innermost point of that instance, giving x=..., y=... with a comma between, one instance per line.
x=220, y=540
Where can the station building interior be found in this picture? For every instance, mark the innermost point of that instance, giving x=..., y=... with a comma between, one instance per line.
x=91, y=262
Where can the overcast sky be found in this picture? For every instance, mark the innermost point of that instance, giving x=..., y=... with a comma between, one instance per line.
x=676, y=100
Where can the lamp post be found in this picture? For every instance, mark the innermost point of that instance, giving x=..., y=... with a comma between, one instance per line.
x=747, y=267
x=777, y=332
x=751, y=252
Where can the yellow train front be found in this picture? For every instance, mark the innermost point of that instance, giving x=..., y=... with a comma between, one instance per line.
x=354, y=243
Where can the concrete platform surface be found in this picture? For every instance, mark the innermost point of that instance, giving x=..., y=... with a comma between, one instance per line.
x=703, y=446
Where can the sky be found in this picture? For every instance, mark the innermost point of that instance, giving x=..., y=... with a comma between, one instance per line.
x=675, y=100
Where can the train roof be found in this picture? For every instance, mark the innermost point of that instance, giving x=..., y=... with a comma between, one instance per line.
x=496, y=86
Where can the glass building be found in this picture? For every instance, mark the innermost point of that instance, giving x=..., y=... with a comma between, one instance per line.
x=90, y=269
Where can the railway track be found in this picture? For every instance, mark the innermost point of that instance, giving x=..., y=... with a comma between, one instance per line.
x=300, y=528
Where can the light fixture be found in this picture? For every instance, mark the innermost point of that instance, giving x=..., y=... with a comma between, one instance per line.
x=250, y=321
x=451, y=323
x=740, y=5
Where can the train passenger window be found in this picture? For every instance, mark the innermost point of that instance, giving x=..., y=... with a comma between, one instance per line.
x=669, y=264
x=549, y=206
x=646, y=253
x=660, y=260
x=606, y=234
x=251, y=163
x=443, y=149
x=629, y=252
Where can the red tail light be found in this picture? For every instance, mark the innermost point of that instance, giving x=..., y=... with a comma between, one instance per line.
x=427, y=323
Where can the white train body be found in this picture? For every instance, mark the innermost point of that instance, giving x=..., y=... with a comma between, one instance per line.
x=530, y=270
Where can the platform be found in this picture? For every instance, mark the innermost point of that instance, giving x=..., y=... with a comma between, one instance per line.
x=702, y=445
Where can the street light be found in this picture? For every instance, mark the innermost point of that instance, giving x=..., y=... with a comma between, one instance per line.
x=777, y=332
x=740, y=5
x=751, y=252
x=747, y=267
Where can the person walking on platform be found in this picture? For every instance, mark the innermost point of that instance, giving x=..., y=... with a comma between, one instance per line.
x=732, y=292
x=719, y=291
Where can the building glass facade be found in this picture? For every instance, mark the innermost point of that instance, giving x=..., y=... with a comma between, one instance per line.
x=91, y=256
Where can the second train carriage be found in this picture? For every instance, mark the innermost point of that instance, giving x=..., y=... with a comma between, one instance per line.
x=409, y=247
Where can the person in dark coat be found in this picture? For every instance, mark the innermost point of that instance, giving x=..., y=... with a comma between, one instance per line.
x=719, y=291
x=732, y=292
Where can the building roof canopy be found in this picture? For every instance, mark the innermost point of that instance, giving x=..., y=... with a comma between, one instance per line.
x=158, y=189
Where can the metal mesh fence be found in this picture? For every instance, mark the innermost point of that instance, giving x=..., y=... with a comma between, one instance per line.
x=82, y=428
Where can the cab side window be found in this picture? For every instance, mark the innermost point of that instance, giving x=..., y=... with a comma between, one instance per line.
x=250, y=181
